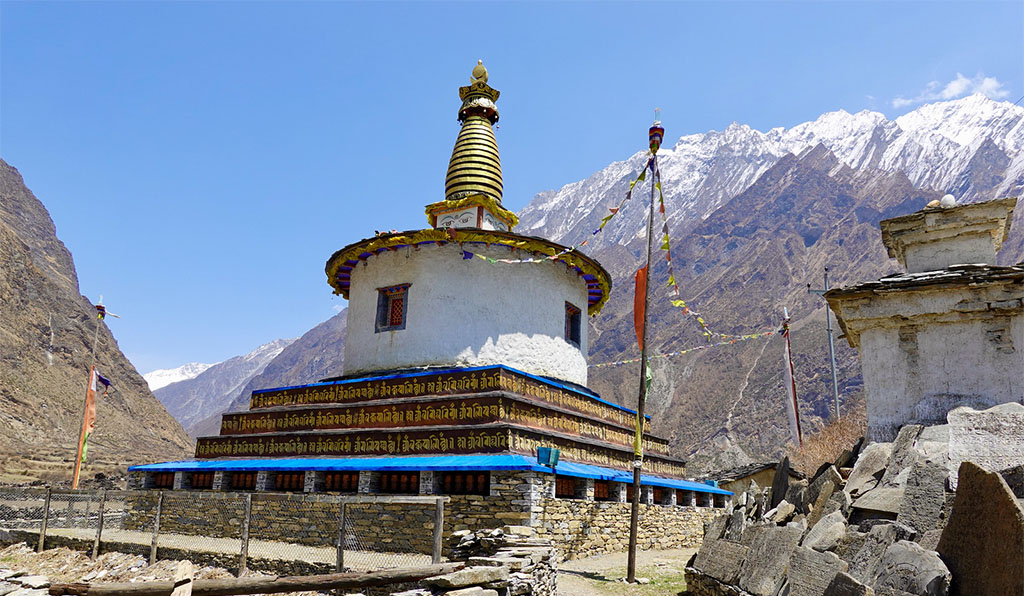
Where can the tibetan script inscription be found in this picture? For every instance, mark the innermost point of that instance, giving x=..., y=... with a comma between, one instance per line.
x=458, y=382
x=376, y=443
x=447, y=412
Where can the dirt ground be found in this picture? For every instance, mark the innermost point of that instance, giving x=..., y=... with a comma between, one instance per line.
x=604, y=575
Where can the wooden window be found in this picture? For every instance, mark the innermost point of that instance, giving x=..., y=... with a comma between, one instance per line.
x=400, y=482
x=565, y=487
x=163, y=480
x=290, y=481
x=466, y=483
x=603, y=491
x=629, y=493
x=392, y=306
x=659, y=495
x=684, y=497
x=573, y=316
x=243, y=480
x=202, y=480
x=341, y=482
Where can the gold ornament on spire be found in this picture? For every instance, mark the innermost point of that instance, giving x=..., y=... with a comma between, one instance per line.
x=475, y=167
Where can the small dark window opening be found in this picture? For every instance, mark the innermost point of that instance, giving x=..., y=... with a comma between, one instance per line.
x=243, y=481
x=392, y=306
x=163, y=480
x=573, y=316
x=201, y=480
x=341, y=482
x=290, y=481
x=684, y=497
x=565, y=487
x=400, y=482
x=629, y=493
x=603, y=490
x=466, y=483
x=659, y=495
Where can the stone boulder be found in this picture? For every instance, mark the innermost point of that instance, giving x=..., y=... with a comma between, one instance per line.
x=811, y=572
x=825, y=534
x=869, y=469
x=992, y=439
x=721, y=560
x=764, y=569
x=983, y=542
x=903, y=453
x=924, y=497
x=908, y=567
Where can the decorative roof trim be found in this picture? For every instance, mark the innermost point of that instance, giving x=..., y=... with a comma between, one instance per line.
x=344, y=261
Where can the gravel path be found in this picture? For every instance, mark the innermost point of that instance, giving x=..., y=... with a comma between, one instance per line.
x=603, y=575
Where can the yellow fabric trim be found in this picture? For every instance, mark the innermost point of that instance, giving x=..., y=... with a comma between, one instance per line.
x=535, y=245
x=434, y=209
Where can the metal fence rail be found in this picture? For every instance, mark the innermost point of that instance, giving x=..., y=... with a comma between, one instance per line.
x=300, y=533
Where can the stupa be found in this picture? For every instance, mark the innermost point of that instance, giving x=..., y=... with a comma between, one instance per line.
x=466, y=351
x=948, y=331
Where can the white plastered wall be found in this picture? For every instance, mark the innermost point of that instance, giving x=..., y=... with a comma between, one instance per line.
x=467, y=312
x=944, y=349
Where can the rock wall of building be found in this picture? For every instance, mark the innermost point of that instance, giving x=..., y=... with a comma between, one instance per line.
x=580, y=529
x=577, y=527
x=467, y=312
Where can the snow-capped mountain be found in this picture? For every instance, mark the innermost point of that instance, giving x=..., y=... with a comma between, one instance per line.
x=934, y=146
x=163, y=377
x=213, y=389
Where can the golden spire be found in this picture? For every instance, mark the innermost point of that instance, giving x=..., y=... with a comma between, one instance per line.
x=475, y=167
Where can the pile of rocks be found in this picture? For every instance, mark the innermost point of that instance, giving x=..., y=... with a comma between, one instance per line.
x=20, y=583
x=883, y=519
x=507, y=561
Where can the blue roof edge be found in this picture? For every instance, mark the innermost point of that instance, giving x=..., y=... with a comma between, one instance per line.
x=441, y=463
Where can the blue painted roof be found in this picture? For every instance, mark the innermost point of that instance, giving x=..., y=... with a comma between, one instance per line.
x=434, y=463
x=560, y=385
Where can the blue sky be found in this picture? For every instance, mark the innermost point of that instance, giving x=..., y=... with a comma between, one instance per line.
x=202, y=160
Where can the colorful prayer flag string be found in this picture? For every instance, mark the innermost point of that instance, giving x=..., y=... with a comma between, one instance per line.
x=735, y=339
x=604, y=221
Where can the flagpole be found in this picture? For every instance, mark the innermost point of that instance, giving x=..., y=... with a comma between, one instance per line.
x=85, y=404
x=634, y=513
x=791, y=390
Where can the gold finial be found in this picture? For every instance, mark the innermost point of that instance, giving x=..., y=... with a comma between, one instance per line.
x=479, y=73
x=475, y=167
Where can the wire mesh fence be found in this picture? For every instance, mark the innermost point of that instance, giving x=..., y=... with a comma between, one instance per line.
x=296, y=534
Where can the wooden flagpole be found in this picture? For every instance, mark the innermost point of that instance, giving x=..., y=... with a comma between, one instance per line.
x=85, y=404
x=634, y=513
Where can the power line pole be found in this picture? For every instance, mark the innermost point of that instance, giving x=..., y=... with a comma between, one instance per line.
x=831, y=342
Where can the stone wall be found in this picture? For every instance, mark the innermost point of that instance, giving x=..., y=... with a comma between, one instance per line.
x=583, y=528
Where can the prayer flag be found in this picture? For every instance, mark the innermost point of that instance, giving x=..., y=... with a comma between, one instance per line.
x=638, y=304
x=466, y=255
x=791, y=405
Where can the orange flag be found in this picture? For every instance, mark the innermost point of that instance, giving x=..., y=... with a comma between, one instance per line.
x=638, y=304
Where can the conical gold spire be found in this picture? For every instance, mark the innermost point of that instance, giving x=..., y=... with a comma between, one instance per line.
x=475, y=167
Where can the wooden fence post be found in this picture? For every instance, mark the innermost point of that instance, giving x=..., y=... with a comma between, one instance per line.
x=46, y=519
x=99, y=524
x=156, y=527
x=244, y=555
x=340, y=565
x=438, y=528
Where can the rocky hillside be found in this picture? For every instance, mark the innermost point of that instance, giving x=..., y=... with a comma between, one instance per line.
x=46, y=346
x=192, y=400
x=318, y=354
